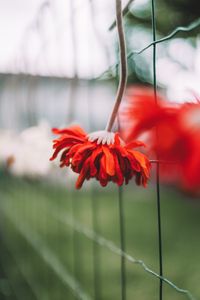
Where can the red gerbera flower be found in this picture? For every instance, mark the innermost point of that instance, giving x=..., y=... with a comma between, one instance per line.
x=115, y=162
x=177, y=138
x=142, y=113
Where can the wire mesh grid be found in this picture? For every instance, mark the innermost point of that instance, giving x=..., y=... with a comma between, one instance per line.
x=69, y=275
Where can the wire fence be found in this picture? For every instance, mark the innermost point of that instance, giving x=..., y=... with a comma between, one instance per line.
x=54, y=211
x=30, y=232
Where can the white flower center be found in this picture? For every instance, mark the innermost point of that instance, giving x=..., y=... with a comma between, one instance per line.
x=102, y=137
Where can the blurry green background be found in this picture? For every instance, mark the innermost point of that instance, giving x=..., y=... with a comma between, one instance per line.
x=37, y=254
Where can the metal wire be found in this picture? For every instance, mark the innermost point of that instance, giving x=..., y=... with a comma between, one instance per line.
x=72, y=99
x=157, y=165
x=101, y=241
x=19, y=266
x=122, y=242
x=96, y=250
x=75, y=244
x=66, y=219
x=122, y=232
x=168, y=37
x=39, y=246
x=96, y=255
x=188, y=28
x=48, y=256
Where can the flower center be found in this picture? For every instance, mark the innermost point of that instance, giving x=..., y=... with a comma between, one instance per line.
x=102, y=137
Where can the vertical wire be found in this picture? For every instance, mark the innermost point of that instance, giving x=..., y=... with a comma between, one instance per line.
x=75, y=243
x=122, y=233
x=120, y=92
x=122, y=242
x=96, y=249
x=96, y=255
x=73, y=198
x=157, y=165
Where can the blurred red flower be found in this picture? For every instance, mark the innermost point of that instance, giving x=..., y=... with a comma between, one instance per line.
x=189, y=118
x=172, y=133
x=116, y=162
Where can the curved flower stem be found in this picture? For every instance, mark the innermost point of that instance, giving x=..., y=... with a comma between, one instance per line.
x=124, y=12
x=123, y=65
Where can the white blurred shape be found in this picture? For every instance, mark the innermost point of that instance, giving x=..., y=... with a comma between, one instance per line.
x=28, y=153
x=182, y=51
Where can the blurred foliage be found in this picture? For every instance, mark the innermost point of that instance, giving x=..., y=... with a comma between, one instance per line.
x=37, y=244
x=169, y=15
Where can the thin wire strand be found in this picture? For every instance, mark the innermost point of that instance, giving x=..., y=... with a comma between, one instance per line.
x=75, y=243
x=122, y=231
x=48, y=256
x=101, y=241
x=96, y=250
x=21, y=269
x=188, y=28
x=73, y=200
x=123, y=65
x=122, y=242
x=96, y=255
x=157, y=165
x=55, y=212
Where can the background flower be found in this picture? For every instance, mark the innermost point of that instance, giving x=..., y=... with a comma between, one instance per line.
x=171, y=132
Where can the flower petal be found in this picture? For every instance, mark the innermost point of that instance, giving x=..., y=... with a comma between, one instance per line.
x=109, y=161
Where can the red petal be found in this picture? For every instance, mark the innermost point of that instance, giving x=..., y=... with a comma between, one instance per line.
x=135, y=144
x=73, y=130
x=119, y=178
x=83, y=174
x=83, y=152
x=102, y=175
x=109, y=161
x=144, y=162
x=94, y=165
